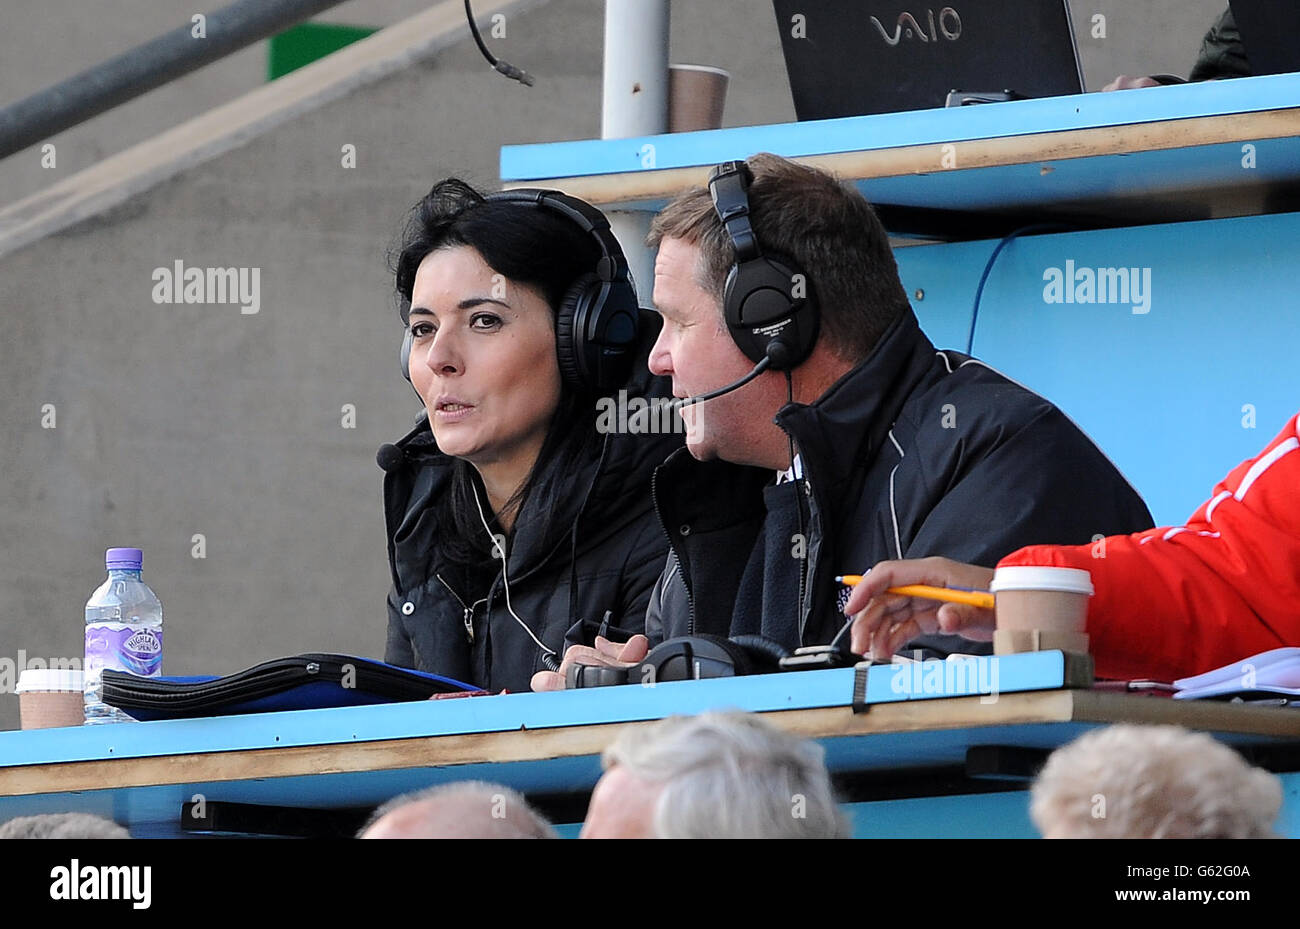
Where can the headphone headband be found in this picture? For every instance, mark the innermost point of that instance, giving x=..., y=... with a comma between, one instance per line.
x=597, y=323
x=729, y=188
x=769, y=303
x=589, y=219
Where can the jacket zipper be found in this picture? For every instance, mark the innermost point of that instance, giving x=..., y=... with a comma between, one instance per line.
x=805, y=563
x=806, y=571
x=469, y=610
x=690, y=597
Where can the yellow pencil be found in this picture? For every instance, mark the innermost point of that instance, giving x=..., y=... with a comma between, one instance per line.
x=980, y=598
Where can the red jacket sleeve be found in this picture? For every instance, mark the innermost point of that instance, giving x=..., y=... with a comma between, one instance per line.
x=1173, y=602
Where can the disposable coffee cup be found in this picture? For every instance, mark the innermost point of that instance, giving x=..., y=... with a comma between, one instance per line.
x=1040, y=609
x=50, y=697
x=1011, y=641
x=697, y=95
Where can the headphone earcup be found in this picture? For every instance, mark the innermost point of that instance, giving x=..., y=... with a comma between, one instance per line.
x=758, y=296
x=740, y=657
x=570, y=322
x=404, y=355
x=764, y=653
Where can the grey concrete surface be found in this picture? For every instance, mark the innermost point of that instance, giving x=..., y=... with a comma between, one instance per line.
x=173, y=421
x=47, y=42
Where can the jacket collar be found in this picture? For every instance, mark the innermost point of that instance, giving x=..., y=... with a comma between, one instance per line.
x=431, y=470
x=835, y=436
x=848, y=424
x=601, y=490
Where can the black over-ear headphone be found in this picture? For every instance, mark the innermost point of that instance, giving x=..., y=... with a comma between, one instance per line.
x=769, y=303
x=597, y=322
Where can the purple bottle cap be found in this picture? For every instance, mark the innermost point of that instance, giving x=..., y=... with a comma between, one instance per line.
x=123, y=559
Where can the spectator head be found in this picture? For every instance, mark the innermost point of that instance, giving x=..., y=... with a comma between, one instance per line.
x=62, y=826
x=1153, y=782
x=716, y=775
x=811, y=220
x=465, y=810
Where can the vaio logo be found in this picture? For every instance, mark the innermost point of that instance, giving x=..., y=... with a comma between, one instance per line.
x=948, y=25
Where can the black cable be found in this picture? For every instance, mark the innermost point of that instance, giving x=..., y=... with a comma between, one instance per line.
x=509, y=70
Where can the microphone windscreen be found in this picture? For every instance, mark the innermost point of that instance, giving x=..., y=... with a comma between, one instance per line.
x=390, y=457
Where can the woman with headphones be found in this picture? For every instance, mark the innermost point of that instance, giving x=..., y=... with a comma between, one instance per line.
x=518, y=521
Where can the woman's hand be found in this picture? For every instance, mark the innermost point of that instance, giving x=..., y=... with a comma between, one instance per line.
x=885, y=622
x=607, y=653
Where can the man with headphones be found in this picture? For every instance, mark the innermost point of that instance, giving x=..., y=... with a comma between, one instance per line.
x=825, y=433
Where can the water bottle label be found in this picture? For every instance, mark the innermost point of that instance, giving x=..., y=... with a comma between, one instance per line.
x=122, y=647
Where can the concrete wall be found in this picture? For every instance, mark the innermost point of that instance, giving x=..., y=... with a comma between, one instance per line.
x=84, y=34
x=172, y=421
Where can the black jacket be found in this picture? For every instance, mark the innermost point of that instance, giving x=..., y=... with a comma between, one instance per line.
x=608, y=562
x=912, y=453
x=1222, y=54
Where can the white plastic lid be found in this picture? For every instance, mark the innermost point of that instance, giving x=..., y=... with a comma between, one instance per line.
x=1033, y=577
x=56, y=679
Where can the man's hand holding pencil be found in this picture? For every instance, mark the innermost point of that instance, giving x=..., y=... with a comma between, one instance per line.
x=885, y=621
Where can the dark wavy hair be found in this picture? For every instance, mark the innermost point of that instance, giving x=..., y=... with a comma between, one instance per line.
x=531, y=246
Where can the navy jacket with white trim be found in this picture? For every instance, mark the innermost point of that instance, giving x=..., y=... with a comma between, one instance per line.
x=912, y=453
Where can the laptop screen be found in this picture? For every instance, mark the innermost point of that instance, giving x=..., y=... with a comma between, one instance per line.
x=851, y=58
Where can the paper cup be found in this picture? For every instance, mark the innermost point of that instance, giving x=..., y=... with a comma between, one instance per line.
x=1010, y=641
x=1040, y=609
x=48, y=698
x=696, y=97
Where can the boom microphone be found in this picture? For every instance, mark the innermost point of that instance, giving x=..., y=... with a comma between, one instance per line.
x=758, y=369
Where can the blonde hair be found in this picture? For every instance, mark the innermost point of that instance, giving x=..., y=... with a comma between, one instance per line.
x=1153, y=782
x=731, y=776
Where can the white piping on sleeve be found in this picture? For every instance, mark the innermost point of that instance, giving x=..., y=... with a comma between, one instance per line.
x=1209, y=510
x=1262, y=465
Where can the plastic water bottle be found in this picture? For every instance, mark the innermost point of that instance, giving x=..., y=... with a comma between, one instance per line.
x=123, y=631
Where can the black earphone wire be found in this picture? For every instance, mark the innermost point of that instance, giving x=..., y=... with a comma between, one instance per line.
x=505, y=67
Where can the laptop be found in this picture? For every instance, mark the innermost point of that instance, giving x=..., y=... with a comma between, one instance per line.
x=858, y=57
x=1270, y=34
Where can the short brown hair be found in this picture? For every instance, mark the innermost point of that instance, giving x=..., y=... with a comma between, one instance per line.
x=827, y=229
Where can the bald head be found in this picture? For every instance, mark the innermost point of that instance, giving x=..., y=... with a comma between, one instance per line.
x=469, y=810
